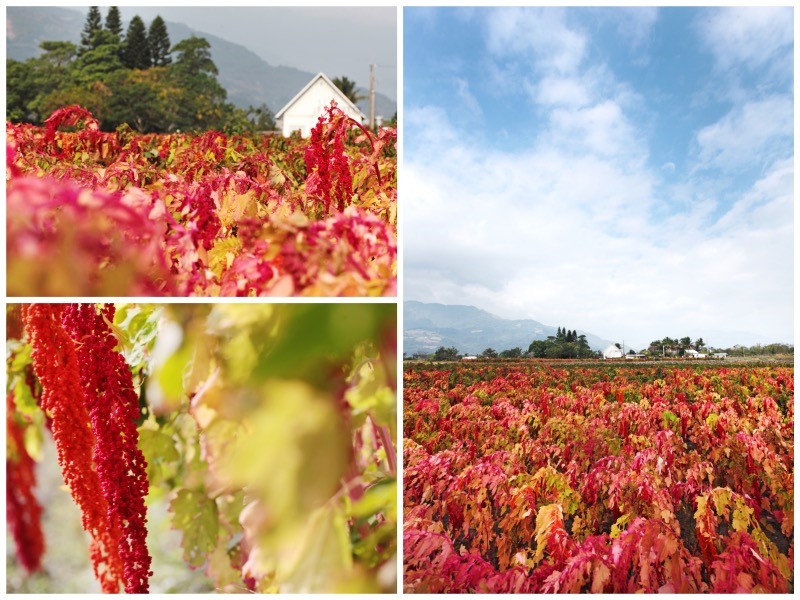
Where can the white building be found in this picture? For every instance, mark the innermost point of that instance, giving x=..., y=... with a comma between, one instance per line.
x=612, y=352
x=302, y=112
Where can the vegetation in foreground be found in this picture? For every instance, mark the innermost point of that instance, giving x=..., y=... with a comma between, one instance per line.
x=543, y=478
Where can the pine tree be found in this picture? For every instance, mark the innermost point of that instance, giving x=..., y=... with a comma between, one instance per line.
x=114, y=21
x=158, y=40
x=136, y=52
x=94, y=23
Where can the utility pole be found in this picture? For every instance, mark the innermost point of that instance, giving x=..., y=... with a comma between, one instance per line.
x=372, y=96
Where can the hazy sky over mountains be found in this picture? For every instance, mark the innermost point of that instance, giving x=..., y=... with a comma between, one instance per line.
x=628, y=171
x=335, y=40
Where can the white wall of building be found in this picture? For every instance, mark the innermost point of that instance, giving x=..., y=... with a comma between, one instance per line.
x=303, y=111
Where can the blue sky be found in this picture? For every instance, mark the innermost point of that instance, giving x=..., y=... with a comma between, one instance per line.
x=626, y=171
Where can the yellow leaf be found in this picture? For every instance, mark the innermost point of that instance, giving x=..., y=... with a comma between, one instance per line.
x=600, y=577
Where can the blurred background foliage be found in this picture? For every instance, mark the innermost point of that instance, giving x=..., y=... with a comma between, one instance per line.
x=270, y=435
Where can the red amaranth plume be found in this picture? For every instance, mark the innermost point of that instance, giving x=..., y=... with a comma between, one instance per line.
x=113, y=408
x=23, y=511
x=329, y=178
x=69, y=115
x=56, y=366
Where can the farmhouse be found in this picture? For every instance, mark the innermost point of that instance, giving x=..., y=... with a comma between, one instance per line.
x=302, y=111
x=613, y=351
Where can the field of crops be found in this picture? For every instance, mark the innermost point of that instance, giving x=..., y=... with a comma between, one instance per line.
x=542, y=478
x=123, y=214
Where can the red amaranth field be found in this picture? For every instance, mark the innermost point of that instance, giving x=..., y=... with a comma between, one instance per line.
x=538, y=478
x=126, y=214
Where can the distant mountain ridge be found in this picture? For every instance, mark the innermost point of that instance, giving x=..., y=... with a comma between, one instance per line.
x=472, y=330
x=248, y=78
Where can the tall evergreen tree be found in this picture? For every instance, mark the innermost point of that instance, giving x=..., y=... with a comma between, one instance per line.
x=158, y=40
x=94, y=23
x=136, y=52
x=114, y=21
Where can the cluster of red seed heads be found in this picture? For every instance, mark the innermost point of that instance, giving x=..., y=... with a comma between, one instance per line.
x=87, y=391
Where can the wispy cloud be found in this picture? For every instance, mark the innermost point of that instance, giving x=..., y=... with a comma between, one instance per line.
x=468, y=101
x=748, y=37
x=753, y=132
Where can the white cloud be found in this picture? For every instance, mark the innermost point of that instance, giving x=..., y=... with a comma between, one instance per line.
x=539, y=35
x=751, y=37
x=555, y=90
x=574, y=240
x=468, y=100
x=747, y=134
x=602, y=129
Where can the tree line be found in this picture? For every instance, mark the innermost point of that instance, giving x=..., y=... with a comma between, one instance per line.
x=564, y=344
x=138, y=78
x=568, y=344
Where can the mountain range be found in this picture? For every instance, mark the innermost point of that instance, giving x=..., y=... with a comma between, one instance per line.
x=472, y=330
x=249, y=79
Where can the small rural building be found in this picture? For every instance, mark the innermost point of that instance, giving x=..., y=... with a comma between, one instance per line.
x=302, y=112
x=635, y=357
x=469, y=358
x=612, y=352
x=720, y=355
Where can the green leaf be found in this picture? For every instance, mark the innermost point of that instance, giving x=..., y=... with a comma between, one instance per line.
x=23, y=399
x=312, y=335
x=668, y=418
x=195, y=514
x=371, y=396
x=171, y=374
x=139, y=326
x=222, y=254
x=226, y=578
x=324, y=554
x=293, y=452
x=158, y=448
x=379, y=498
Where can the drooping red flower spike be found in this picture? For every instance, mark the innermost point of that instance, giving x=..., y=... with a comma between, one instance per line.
x=113, y=407
x=57, y=367
x=23, y=511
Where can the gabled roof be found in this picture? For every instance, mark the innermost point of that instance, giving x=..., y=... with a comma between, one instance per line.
x=613, y=348
x=344, y=99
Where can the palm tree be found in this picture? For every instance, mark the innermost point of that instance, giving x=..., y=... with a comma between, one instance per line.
x=348, y=88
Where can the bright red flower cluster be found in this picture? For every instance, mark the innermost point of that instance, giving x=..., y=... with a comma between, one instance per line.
x=59, y=369
x=113, y=408
x=23, y=511
x=329, y=179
